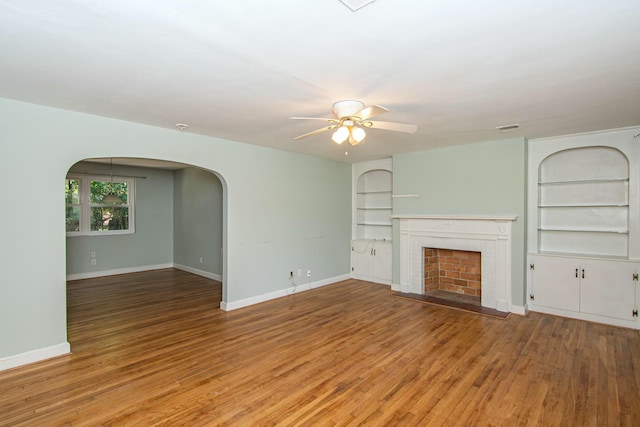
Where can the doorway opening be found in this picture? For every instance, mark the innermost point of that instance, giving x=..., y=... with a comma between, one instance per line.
x=178, y=221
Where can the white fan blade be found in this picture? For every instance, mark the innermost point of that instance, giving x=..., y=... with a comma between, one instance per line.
x=371, y=111
x=325, y=119
x=314, y=132
x=398, y=127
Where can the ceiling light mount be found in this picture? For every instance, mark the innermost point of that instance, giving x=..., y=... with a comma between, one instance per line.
x=355, y=5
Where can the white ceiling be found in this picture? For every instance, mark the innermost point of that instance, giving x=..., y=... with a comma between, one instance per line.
x=238, y=69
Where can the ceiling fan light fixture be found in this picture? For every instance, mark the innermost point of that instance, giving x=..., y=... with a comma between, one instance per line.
x=358, y=134
x=351, y=120
x=340, y=135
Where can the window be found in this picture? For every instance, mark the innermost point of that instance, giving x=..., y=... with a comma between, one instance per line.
x=72, y=199
x=90, y=206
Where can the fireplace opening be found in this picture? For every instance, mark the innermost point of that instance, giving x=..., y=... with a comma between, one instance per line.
x=453, y=275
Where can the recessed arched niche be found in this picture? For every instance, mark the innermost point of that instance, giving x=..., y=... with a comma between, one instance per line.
x=373, y=210
x=583, y=204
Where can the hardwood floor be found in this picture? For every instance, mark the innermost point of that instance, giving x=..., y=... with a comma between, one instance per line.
x=153, y=349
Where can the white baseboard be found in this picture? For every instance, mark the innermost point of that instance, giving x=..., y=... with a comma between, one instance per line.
x=198, y=272
x=518, y=309
x=234, y=305
x=372, y=279
x=139, y=269
x=114, y=272
x=632, y=324
x=34, y=356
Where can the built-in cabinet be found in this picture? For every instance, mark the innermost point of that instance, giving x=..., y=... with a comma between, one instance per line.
x=371, y=247
x=583, y=226
x=584, y=285
x=371, y=260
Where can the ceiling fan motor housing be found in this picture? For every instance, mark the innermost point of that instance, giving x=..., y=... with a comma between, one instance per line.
x=347, y=108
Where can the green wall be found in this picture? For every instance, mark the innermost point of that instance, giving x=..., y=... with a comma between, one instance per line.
x=281, y=211
x=152, y=242
x=485, y=179
x=197, y=227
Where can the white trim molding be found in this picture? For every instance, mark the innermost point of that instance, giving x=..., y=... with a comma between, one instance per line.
x=142, y=268
x=198, y=272
x=489, y=235
x=519, y=309
x=117, y=271
x=246, y=302
x=34, y=356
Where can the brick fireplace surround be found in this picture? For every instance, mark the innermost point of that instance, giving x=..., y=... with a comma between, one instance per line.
x=452, y=271
x=491, y=236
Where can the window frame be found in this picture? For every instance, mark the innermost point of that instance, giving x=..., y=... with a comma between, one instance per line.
x=84, y=190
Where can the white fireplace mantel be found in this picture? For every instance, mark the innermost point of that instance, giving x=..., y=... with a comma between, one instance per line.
x=489, y=235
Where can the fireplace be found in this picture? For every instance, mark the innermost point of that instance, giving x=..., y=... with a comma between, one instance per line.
x=453, y=271
x=489, y=236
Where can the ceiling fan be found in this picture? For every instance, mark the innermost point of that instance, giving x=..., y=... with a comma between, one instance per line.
x=351, y=120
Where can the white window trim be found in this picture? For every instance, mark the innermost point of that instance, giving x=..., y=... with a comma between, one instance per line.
x=85, y=206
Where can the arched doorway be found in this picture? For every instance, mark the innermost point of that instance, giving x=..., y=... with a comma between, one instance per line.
x=176, y=216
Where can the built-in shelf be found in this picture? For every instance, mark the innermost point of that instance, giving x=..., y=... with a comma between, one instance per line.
x=580, y=255
x=594, y=205
x=581, y=206
x=585, y=230
x=584, y=181
x=374, y=205
x=375, y=192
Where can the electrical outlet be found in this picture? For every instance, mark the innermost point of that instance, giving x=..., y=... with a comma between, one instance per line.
x=93, y=261
x=93, y=254
x=200, y=260
x=299, y=272
x=308, y=273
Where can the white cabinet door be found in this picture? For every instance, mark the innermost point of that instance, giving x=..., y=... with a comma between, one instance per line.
x=362, y=259
x=382, y=261
x=554, y=283
x=608, y=288
x=371, y=260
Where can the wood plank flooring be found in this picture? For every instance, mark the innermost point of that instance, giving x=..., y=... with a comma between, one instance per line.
x=153, y=349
